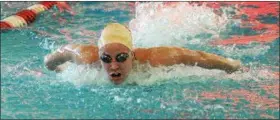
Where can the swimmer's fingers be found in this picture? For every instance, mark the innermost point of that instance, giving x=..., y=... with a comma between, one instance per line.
x=62, y=67
x=58, y=70
x=53, y=60
x=235, y=65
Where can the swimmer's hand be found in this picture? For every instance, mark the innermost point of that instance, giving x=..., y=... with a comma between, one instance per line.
x=62, y=67
x=54, y=60
x=235, y=65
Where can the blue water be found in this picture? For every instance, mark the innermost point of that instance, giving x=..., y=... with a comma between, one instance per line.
x=177, y=94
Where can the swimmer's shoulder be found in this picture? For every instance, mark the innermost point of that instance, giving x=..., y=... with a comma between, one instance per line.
x=81, y=48
x=147, y=54
x=88, y=48
x=142, y=54
x=161, y=49
x=88, y=53
x=85, y=53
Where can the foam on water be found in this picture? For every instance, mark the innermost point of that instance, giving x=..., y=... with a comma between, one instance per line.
x=146, y=75
x=83, y=74
x=141, y=74
x=156, y=26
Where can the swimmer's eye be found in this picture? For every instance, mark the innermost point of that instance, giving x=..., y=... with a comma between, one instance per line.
x=106, y=58
x=121, y=57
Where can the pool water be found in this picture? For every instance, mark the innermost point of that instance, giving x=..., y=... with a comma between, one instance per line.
x=29, y=90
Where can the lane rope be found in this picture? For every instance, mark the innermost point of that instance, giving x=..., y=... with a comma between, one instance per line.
x=26, y=16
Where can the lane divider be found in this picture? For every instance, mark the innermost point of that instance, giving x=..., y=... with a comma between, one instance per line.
x=26, y=16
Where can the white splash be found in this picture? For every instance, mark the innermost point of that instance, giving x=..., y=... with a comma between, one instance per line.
x=155, y=25
x=140, y=75
x=146, y=75
x=83, y=75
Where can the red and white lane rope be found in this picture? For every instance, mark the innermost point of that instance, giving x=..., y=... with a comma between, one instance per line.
x=26, y=16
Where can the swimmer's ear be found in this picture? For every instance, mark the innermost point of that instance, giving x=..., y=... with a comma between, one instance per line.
x=133, y=55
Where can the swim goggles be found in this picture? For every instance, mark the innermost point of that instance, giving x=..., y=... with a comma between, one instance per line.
x=121, y=57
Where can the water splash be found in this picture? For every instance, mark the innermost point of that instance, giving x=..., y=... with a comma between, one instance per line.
x=83, y=75
x=155, y=25
x=146, y=75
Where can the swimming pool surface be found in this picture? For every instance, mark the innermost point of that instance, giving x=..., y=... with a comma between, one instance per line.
x=29, y=90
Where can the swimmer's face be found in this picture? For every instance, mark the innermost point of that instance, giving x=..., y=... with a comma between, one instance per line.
x=117, y=61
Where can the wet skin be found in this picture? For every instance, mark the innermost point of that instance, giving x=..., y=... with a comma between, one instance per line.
x=156, y=56
x=117, y=71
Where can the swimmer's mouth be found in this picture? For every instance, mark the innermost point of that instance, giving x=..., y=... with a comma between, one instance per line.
x=116, y=78
x=115, y=75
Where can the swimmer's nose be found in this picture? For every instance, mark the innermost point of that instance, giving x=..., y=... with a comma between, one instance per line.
x=114, y=65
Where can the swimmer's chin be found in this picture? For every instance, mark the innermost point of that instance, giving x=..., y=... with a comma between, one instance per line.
x=117, y=81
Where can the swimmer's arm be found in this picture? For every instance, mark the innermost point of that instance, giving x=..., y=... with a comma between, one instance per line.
x=54, y=60
x=210, y=61
x=173, y=55
x=79, y=54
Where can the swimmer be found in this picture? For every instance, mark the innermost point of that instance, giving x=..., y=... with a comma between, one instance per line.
x=117, y=55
